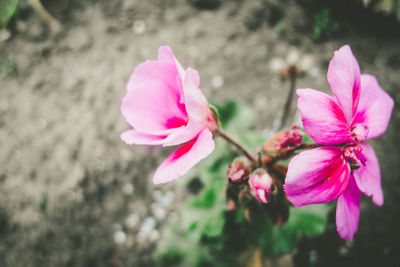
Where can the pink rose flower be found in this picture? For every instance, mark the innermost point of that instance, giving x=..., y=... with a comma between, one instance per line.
x=260, y=183
x=344, y=166
x=165, y=106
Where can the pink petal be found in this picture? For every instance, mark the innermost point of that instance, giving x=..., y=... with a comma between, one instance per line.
x=134, y=137
x=165, y=54
x=348, y=211
x=156, y=70
x=316, y=176
x=153, y=107
x=184, y=158
x=344, y=80
x=197, y=109
x=196, y=103
x=374, y=108
x=322, y=118
x=368, y=176
x=184, y=134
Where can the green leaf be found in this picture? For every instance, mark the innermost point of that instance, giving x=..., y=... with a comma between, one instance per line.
x=6, y=66
x=284, y=241
x=42, y=204
x=215, y=225
x=308, y=220
x=235, y=117
x=207, y=200
x=7, y=10
x=170, y=257
x=306, y=139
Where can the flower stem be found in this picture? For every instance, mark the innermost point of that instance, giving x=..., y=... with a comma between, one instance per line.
x=239, y=147
x=53, y=23
x=275, y=159
x=308, y=146
x=286, y=110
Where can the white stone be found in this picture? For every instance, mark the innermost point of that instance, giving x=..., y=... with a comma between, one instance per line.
x=119, y=237
x=217, y=81
x=128, y=189
x=139, y=27
x=132, y=221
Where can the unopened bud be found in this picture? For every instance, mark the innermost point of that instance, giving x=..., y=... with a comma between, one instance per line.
x=231, y=205
x=283, y=142
x=239, y=169
x=260, y=183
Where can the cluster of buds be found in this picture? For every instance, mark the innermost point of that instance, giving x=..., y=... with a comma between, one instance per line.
x=257, y=187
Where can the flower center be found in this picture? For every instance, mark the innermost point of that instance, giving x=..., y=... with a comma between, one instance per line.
x=352, y=155
x=360, y=132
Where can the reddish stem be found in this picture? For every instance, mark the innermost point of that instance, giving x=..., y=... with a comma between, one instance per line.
x=236, y=144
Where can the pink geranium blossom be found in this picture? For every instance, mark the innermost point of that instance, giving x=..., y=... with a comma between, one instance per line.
x=344, y=166
x=165, y=106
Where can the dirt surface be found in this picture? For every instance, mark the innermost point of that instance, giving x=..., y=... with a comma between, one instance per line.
x=73, y=194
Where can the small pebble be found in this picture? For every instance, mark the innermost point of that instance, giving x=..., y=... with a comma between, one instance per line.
x=128, y=189
x=164, y=200
x=119, y=237
x=148, y=225
x=293, y=57
x=159, y=212
x=156, y=195
x=168, y=198
x=277, y=65
x=343, y=251
x=314, y=72
x=154, y=235
x=132, y=221
x=4, y=35
x=217, y=81
x=306, y=63
x=139, y=27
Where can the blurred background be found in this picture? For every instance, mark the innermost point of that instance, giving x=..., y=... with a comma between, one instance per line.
x=73, y=194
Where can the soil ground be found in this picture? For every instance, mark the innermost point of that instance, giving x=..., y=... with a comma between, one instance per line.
x=73, y=194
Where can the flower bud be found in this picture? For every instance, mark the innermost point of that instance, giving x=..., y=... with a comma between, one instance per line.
x=231, y=205
x=239, y=169
x=260, y=183
x=283, y=142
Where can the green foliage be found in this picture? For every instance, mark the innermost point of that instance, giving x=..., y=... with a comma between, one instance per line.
x=8, y=9
x=305, y=221
x=324, y=25
x=238, y=119
x=6, y=67
x=306, y=139
x=207, y=234
x=42, y=204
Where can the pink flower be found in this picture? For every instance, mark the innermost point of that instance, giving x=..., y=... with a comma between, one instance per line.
x=165, y=106
x=260, y=183
x=344, y=166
